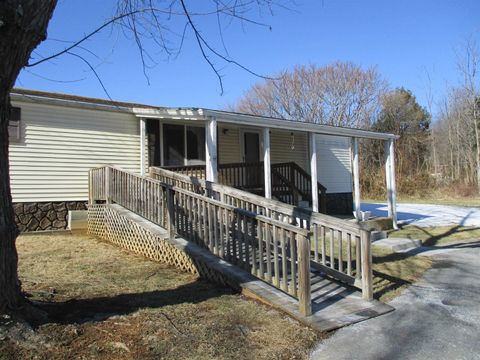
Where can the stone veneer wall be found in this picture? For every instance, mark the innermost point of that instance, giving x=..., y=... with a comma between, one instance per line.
x=36, y=216
x=340, y=204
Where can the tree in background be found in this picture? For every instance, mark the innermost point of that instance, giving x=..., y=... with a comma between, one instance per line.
x=339, y=94
x=400, y=115
x=458, y=127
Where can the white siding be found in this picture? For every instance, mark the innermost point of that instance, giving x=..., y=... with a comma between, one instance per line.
x=60, y=144
x=334, y=163
x=229, y=145
x=281, y=148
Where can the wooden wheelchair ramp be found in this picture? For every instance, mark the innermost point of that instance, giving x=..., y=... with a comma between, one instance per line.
x=302, y=266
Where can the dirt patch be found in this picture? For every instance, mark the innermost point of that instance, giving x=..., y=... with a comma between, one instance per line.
x=106, y=303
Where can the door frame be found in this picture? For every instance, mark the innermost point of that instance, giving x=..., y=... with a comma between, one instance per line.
x=242, y=142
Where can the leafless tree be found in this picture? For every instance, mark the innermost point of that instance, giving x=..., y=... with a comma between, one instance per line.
x=341, y=94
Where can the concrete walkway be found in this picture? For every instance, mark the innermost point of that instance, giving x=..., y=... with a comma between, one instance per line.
x=429, y=215
x=436, y=318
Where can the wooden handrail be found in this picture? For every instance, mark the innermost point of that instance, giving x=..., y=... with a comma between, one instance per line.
x=242, y=237
x=329, y=235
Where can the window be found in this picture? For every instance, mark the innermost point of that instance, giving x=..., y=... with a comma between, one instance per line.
x=174, y=145
x=183, y=145
x=153, y=135
x=14, y=124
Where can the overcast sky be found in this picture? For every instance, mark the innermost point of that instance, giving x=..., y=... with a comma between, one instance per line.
x=404, y=39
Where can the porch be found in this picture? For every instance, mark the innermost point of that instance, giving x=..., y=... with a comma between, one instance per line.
x=275, y=158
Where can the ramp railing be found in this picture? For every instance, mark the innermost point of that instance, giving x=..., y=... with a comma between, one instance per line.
x=272, y=250
x=339, y=248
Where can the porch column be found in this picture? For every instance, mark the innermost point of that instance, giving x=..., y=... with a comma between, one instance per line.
x=313, y=171
x=211, y=150
x=142, y=146
x=390, y=180
x=266, y=163
x=356, y=178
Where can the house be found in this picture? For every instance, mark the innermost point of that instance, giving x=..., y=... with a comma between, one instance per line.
x=56, y=138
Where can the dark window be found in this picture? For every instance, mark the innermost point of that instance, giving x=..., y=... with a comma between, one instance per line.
x=173, y=144
x=153, y=134
x=14, y=124
x=195, y=145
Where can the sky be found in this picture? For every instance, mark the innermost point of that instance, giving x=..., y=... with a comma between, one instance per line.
x=408, y=41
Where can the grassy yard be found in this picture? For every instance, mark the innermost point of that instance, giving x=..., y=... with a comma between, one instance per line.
x=438, y=235
x=105, y=303
x=436, y=199
x=394, y=271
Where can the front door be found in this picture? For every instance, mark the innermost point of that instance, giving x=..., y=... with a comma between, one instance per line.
x=251, y=147
x=251, y=154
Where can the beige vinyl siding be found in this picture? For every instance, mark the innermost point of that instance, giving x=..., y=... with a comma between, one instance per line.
x=281, y=148
x=229, y=145
x=334, y=163
x=59, y=144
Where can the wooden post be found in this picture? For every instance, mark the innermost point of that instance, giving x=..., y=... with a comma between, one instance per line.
x=267, y=167
x=90, y=189
x=366, y=255
x=170, y=212
x=107, y=185
x=304, y=291
x=313, y=171
x=211, y=150
x=356, y=179
x=142, y=146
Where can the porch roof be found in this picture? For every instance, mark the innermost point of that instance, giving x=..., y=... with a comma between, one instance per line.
x=192, y=114
x=221, y=116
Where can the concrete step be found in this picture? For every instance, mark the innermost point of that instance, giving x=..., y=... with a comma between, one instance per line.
x=378, y=235
x=398, y=244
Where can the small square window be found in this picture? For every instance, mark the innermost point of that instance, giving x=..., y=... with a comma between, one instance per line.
x=14, y=124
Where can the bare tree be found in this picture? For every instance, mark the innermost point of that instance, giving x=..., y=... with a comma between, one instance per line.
x=23, y=25
x=341, y=94
x=469, y=67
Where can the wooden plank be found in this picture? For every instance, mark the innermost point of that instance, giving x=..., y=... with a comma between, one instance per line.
x=293, y=264
x=283, y=244
x=268, y=252
x=304, y=293
x=367, y=276
x=260, y=233
x=276, y=257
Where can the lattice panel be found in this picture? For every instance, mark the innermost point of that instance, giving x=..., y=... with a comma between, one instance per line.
x=106, y=223
x=96, y=223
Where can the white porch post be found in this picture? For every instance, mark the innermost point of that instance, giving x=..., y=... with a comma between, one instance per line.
x=266, y=163
x=390, y=179
x=211, y=150
x=313, y=171
x=356, y=178
x=142, y=146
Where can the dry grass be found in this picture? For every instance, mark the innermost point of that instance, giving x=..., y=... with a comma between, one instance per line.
x=438, y=235
x=393, y=272
x=108, y=304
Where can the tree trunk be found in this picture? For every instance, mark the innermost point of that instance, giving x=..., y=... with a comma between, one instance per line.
x=23, y=25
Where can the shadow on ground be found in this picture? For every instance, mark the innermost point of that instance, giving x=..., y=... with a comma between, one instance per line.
x=77, y=311
x=390, y=283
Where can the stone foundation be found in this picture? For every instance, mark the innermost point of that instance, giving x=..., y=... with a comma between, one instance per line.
x=37, y=216
x=340, y=204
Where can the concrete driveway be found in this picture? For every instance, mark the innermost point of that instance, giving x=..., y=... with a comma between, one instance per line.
x=436, y=318
x=429, y=215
